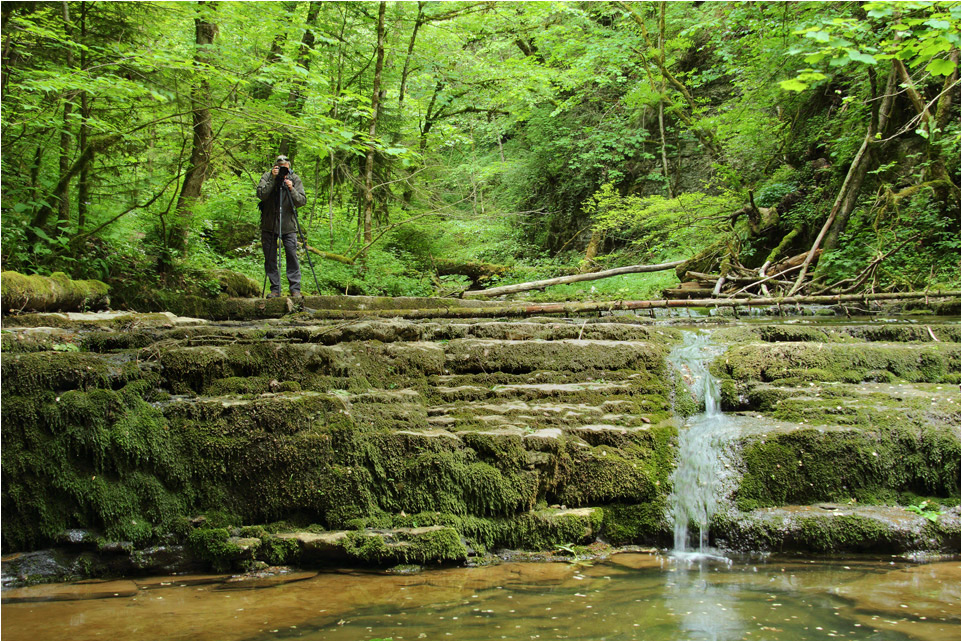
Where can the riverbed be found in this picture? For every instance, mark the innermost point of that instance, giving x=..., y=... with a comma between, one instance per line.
x=629, y=596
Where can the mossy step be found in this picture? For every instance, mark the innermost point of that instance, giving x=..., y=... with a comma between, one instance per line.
x=940, y=331
x=856, y=405
x=99, y=321
x=837, y=528
x=532, y=391
x=531, y=415
x=874, y=464
x=380, y=365
x=792, y=362
x=427, y=544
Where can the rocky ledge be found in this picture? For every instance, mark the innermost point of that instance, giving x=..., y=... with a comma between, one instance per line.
x=139, y=443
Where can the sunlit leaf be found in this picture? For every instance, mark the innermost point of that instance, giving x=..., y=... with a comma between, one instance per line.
x=793, y=84
x=940, y=67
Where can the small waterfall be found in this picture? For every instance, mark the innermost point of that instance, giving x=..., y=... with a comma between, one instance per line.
x=697, y=482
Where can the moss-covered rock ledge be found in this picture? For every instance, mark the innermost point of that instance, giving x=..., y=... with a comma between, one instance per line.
x=143, y=443
x=19, y=292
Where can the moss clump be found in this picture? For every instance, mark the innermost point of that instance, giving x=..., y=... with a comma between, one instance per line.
x=543, y=529
x=802, y=467
x=842, y=530
x=235, y=284
x=213, y=546
x=637, y=523
x=837, y=362
x=25, y=374
x=101, y=459
x=47, y=293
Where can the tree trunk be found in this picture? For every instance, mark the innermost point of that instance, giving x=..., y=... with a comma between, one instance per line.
x=97, y=144
x=841, y=221
x=203, y=135
x=83, y=182
x=63, y=197
x=574, y=278
x=848, y=193
x=297, y=97
x=372, y=130
x=570, y=308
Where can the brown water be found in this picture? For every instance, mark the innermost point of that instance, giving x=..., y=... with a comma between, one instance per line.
x=632, y=596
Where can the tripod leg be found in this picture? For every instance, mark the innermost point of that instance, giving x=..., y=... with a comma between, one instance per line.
x=307, y=252
x=303, y=237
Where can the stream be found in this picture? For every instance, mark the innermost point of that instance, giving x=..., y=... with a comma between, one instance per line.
x=630, y=596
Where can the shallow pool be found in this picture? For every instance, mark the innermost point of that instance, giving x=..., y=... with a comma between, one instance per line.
x=630, y=596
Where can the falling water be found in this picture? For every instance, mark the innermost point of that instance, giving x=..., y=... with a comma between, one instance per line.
x=697, y=482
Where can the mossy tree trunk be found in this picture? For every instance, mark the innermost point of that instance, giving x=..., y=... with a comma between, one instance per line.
x=203, y=133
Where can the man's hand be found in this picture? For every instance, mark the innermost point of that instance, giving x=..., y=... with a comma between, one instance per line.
x=289, y=184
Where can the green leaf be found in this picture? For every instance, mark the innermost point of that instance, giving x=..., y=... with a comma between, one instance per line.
x=819, y=36
x=858, y=56
x=940, y=67
x=880, y=13
x=793, y=85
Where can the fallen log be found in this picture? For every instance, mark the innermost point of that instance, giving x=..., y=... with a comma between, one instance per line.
x=574, y=278
x=54, y=293
x=573, y=308
x=340, y=258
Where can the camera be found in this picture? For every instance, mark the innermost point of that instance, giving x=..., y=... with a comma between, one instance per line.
x=282, y=172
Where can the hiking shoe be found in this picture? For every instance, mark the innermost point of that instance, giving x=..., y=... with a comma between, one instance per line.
x=296, y=294
x=273, y=295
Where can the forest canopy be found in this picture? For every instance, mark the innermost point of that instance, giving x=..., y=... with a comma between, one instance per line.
x=810, y=147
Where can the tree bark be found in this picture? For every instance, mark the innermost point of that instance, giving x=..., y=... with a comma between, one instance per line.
x=372, y=130
x=570, y=308
x=203, y=134
x=848, y=193
x=83, y=182
x=98, y=144
x=574, y=278
x=297, y=98
x=63, y=197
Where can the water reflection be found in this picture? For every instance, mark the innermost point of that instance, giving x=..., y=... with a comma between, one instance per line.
x=629, y=597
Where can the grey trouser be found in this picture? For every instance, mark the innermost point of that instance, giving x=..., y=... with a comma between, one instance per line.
x=269, y=243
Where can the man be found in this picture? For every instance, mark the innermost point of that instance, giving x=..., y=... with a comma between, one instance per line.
x=280, y=188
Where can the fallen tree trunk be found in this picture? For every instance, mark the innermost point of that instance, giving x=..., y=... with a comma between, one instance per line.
x=574, y=278
x=571, y=308
x=340, y=258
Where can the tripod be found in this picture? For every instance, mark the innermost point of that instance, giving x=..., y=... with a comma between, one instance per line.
x=281, y=191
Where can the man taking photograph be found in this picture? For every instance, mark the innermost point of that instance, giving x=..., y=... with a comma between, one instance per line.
x=280, y=191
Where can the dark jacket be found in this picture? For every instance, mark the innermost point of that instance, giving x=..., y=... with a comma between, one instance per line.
x=267, y=192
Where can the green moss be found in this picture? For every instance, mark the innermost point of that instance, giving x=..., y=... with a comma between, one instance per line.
x=213, y=546
x=637, y=523
x=838, y=362
x=802, y=467
x=276, y=550
x=100, y=459
x=54, y=292
x=235, y=284
x=58, y=371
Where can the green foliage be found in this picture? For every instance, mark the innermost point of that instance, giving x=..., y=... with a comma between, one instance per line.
x=923, y=509
x=658, y=226
x=918, y=33
x=493, y=154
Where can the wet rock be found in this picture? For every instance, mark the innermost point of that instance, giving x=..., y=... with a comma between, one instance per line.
x=400, y=545
x=637, y=561
x=86, y=590
x=266, y=578
x=835, y=528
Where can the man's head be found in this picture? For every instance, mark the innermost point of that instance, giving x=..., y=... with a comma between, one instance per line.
x=282, y=161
